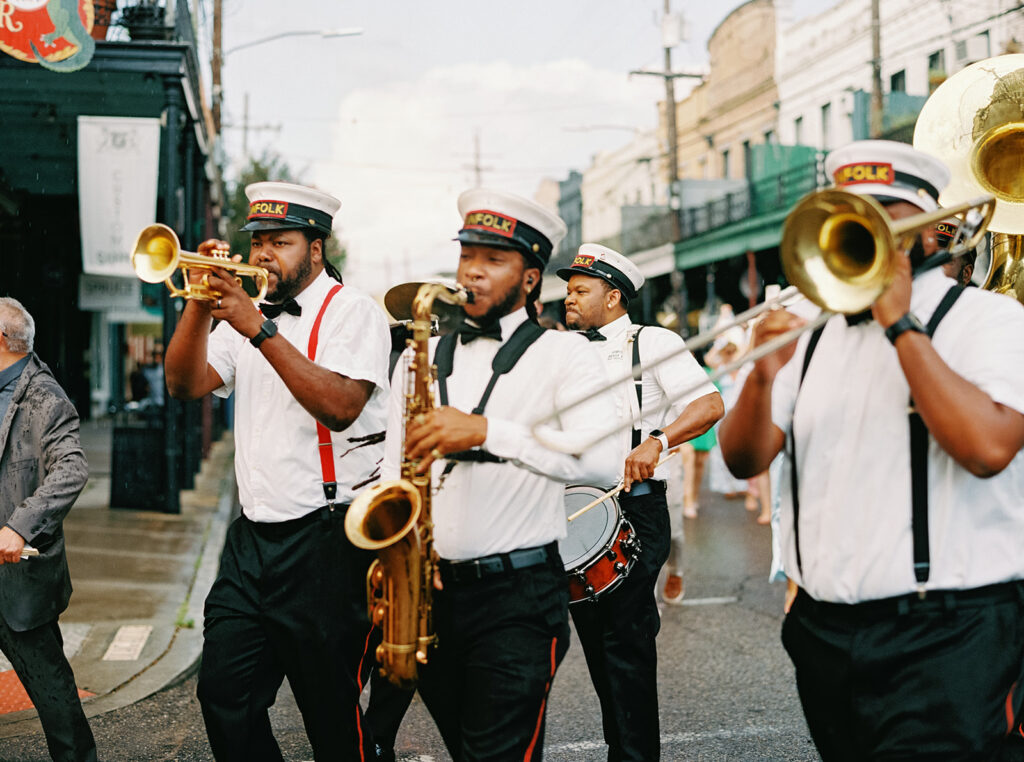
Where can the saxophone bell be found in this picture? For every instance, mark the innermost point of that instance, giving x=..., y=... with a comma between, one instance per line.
x=394, y=518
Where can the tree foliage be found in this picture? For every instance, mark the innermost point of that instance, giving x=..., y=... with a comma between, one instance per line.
x=267, y=166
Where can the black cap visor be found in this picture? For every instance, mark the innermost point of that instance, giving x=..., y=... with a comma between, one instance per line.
x=495, y=241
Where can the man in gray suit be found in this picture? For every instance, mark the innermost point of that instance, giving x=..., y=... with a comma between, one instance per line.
x=42, y=470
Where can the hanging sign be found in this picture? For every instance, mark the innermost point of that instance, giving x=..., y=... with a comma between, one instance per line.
x=118, y=161
x=53, y=33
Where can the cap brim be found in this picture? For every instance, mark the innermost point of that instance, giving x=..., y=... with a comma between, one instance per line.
x=254, y=225
x=565, y=273
x=493, y=240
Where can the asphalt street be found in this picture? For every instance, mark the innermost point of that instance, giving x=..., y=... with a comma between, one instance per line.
x=726, y=686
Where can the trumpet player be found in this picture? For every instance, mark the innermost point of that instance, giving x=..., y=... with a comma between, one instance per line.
x=618, y=630
x=309, y=369
x=903, y=514
x=501, y=613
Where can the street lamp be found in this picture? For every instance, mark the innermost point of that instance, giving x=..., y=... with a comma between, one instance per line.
x=220, y=55
x=325, y=33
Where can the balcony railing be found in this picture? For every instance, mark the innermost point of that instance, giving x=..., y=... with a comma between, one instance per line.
x=763, y=196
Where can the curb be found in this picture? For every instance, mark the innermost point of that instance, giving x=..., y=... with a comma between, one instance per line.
x=181, y=656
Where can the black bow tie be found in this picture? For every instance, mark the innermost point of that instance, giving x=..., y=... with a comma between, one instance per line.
x=272, y=311
x=471, y=332
x=593, y=334
x=858, y=317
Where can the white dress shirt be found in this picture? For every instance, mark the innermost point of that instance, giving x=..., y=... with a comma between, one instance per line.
x=853, y=456
x=277, y=459
x=486, y=508
x=662, y=381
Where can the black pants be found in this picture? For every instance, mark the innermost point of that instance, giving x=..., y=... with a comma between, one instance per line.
x=618, y=633
x=500, y=640
x=939, y=679
x=37, y=656
x=289, y=600
x=386, y=708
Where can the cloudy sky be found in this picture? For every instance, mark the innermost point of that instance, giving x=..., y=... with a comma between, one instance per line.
x=387, y=120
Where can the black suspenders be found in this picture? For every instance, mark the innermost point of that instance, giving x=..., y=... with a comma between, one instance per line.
x=918, y=458
x=638, y=382
x=506, y=358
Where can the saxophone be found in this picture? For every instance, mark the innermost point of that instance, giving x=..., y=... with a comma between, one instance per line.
x=394, y=519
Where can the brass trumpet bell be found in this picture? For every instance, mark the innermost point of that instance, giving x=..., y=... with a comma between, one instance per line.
x=157, y=254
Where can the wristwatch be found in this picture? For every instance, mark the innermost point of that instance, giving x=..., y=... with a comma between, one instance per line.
x=908, y=322
x=662, y=437
x=268, y=329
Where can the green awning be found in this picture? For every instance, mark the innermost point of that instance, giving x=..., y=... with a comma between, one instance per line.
x=752, y=234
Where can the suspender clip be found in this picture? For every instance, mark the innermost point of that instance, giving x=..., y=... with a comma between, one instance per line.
x=330, y=492
x=921, y=592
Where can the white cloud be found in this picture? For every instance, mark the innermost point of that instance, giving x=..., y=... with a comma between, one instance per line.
x=401, y=152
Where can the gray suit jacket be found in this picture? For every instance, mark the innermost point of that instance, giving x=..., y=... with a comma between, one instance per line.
x=42, y=471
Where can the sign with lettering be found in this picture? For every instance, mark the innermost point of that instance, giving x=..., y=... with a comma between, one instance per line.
x=53, y=33
x=118, y=160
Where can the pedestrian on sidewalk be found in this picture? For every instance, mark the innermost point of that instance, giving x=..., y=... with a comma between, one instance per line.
x=310, y=370
x=42, y=471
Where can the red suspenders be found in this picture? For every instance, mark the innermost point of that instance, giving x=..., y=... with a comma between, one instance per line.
x=323, y=434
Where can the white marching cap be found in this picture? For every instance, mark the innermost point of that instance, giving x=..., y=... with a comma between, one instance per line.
x=608, y=265
x=888, y=171
x=499, y=218
x=274, y=205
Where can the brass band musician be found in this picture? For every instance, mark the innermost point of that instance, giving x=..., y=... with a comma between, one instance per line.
x=618, y=629
x=903, y=515
x=501, y=614
x=309, y=373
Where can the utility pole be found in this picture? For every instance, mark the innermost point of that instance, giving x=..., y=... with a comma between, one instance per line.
x=476, y=166
x=876, y=70
x=670, y=38
x=670, y=120
x=246, y=126
x=216, y=63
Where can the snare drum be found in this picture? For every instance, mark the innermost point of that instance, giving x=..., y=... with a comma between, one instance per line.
x=601, y=546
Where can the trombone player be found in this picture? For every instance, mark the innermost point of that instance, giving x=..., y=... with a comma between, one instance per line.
x=902, y=524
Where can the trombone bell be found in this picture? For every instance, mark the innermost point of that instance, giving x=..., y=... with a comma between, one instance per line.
x=157, y=255
x=837, y=249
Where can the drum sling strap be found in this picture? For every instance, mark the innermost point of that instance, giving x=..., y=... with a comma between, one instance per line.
x=323, y=434
x=638, y=381
x=505, y=359
x=918, y=458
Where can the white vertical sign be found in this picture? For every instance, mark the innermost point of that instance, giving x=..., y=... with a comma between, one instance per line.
x=118, y=163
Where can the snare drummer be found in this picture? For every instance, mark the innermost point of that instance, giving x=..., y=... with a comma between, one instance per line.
x=617, y=630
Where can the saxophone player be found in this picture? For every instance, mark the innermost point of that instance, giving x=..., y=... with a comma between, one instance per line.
x=501, y=611
x=309, y=372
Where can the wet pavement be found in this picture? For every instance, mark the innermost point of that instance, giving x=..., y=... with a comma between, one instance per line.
x=134, y=624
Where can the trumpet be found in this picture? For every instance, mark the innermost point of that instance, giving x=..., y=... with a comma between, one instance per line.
x=157, y=255
x=838, y=251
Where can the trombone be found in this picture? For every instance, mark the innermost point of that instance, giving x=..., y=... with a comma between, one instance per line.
x=157, y=255
x=839, y=251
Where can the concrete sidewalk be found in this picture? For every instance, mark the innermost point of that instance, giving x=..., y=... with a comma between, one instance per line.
x=134, y=625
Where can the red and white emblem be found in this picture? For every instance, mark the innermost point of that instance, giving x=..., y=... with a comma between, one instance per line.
x=52, y=33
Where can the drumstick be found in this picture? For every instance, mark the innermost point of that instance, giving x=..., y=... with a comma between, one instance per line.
x=615, y=491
